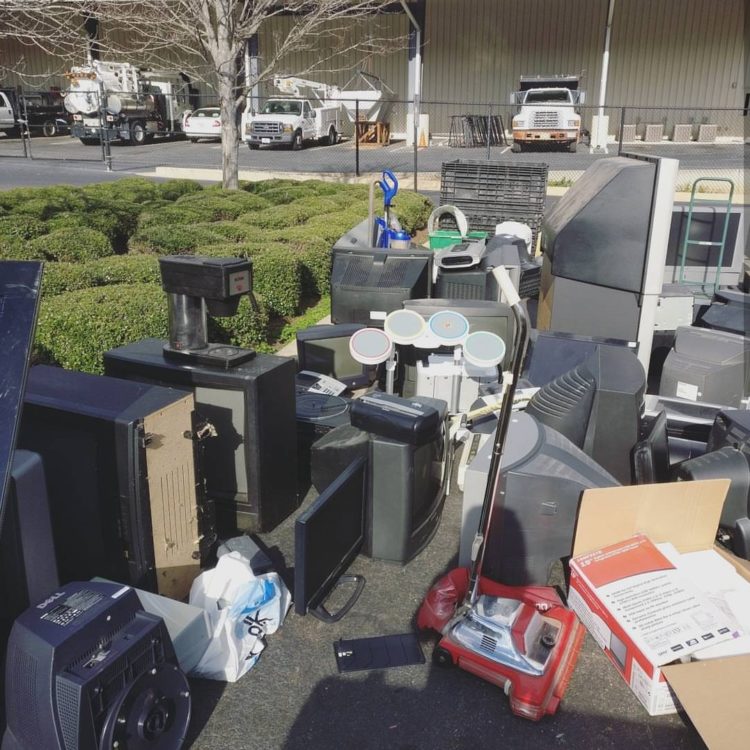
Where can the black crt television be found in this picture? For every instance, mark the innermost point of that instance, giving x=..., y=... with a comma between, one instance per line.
x=327, y=538
x=367, y=282
x=325, y=349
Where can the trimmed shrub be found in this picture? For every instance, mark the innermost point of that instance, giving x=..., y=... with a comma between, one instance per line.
x=315, y=256
x=279, y=217
x=281, y=195
x=75, y=329
x=412, y=210
x=169, y=215
x=277, y=277
x=117, y=223
x=59, y=278
x=248, y=328
x=17, y=227
x=131, y=189
x=171, y=190
x=234, y=231
x=173, y=239
x=217, y=205
x=15, y=249
x=70, y=245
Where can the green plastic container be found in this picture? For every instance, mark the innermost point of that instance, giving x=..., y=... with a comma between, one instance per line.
x=442, y=238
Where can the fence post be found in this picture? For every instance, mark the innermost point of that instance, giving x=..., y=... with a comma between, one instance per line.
x=489, y=130
x=103, y=134
x=622, y=128
x=356, y=137
x=416, y=109
x=23, y=120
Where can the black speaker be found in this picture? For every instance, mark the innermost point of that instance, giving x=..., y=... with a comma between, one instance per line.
x=250, y=466
x=88, y=669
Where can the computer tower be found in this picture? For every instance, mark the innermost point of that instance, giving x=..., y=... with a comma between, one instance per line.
x=406, y=460
x=119, y=463
x=250, y=467
x=28, y=568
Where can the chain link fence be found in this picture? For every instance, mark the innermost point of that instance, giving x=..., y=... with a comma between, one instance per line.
x=368, y=136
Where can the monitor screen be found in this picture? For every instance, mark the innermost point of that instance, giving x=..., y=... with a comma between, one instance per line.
x=327, y=537
x=325, y=349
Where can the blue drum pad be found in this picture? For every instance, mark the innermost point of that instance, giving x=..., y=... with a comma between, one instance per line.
x=379, y=652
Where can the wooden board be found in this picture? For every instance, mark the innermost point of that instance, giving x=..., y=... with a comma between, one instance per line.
x=373, y=133
x=172, y=491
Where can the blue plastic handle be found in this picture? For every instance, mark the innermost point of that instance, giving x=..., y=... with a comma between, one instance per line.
x=389, y=186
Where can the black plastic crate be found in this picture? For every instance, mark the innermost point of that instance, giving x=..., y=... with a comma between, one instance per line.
x=490, y=192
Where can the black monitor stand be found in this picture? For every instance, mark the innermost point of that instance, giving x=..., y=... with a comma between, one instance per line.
x=322, y=614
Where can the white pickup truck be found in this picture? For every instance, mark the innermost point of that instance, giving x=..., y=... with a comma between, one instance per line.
x=7, y=117
x=293, y=121
x=547, y=112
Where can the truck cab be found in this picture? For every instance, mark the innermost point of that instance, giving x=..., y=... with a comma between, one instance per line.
x=547, y=112
x=7, y=117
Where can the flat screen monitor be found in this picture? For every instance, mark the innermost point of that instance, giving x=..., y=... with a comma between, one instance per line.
x=325, y=349
x=327, y=538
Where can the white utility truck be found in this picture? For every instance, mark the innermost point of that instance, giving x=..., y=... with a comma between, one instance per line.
x=547, y=111
x=132, y=104
x=293, y=119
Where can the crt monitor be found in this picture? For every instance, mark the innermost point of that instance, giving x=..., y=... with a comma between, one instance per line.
x=597, y=405
x=324, y=349
x=327, y=538
x=367, y=283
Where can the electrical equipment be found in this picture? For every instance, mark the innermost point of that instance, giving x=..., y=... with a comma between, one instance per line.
x=87, y=668
x=327, y=538
x=709, y=366
x=250, y=467
x=317, y=414
x=651, y=453
x=119, y=460
x=729, y=311
x=367, y=282
x=198, y=286
x=407, y=467
x=584, y=404
x=325, y=349
x=605, y=246
x=464, y=270
x=675, y=308
x=730, y=427
x=542, y=477
x=482, y=315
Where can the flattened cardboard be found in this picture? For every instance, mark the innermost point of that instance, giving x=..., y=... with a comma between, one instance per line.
x=714, y=692
x=684, y=513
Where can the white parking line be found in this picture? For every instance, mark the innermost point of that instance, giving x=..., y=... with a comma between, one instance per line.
x=505, y=150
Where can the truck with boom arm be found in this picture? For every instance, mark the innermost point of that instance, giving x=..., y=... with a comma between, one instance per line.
x=292, y=120
x=130, y=103
x=547, y=112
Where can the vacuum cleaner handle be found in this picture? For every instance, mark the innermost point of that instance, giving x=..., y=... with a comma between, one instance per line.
x=389, y=186
x=521, y=341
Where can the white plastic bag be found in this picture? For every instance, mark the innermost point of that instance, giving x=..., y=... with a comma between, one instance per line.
x=243, y=608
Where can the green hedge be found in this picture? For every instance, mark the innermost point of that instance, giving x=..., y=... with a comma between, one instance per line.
x=69, y=245
x=277, y=277
x=171, y=190
x=173, y=239
x=76, y=328
x=121, y=269
x=15, y=227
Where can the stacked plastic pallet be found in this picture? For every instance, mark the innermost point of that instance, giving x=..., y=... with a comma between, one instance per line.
x=489, y=192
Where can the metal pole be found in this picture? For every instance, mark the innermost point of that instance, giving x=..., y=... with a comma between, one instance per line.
x=416, y=108
x=601, y=137
x=103, y=134
x=489, y=130
x=24, y=126
x=356, y=137
x=622, y=128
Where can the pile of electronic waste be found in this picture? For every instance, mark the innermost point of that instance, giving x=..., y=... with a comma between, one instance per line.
x=477, y=361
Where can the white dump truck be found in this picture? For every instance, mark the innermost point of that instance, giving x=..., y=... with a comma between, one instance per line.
x=548, y=111
x=131, y=103
x=294, y=119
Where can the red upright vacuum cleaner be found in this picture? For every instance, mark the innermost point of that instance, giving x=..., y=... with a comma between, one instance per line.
x=520, y=638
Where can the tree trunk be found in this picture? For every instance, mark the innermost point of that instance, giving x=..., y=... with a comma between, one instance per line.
x=230, y=136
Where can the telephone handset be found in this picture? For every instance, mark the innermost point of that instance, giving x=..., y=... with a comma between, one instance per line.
x=314, y=382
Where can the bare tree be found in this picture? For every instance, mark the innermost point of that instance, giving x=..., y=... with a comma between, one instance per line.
x=207, y=37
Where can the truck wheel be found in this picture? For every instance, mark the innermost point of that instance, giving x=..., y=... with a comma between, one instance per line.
x=49, y=128
x=253, y=146
x=333, y=138
x=442, y=657
x=137, y=134
x=297, y=142
x=516, y=148
x=572, y=147
x=193, y=140
x=89, y=141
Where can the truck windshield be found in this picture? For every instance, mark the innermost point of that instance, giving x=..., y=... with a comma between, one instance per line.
x=549, y=95
x=282, y=108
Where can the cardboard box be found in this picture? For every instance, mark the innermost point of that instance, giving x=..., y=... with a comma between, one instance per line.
x=715, y=692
